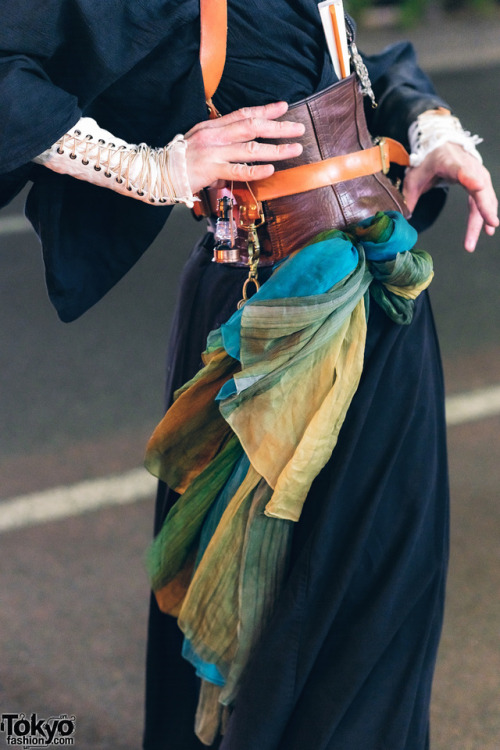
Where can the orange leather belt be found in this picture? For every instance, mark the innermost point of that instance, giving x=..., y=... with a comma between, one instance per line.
x=316, y=175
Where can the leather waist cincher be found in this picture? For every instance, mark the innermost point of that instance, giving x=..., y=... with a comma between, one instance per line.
x=340, y=155
x=338, y=180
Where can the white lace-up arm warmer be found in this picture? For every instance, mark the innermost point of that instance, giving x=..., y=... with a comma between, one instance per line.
x=434, y=128
x=153, y=175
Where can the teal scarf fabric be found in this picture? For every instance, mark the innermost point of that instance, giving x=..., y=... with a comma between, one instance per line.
x=248, y=434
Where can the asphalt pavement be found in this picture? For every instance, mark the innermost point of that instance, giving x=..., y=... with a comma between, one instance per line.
x=78, y=402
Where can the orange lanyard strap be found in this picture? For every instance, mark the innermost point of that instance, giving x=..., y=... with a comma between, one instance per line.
x=213, y=40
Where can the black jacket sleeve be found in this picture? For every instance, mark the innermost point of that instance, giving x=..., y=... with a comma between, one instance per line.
x=133, y=65
x=403, y=91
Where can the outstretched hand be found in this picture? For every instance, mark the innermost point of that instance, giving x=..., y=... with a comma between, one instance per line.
x=220, y=149
x=450, y=162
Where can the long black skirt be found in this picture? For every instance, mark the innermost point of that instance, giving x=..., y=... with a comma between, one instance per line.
x=348, y=659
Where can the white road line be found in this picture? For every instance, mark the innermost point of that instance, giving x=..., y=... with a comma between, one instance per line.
x=14, y=225
x=73, y=500
x=137, y=484
x=466, y=407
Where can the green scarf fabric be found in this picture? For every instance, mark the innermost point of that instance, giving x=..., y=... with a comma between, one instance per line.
x=278, y=379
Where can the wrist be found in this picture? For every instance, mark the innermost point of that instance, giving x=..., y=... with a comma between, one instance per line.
x=434, y=128
x=176, y=172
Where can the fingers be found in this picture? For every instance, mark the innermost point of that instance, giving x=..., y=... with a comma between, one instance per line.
x=483, y=203
x=467, y=171
x=243, y=130
x=417, y=181
x=244, y=172
x=262, y=112
x=208, y=161
x=474, y=225
x=233, y=166
x=451, y=163
x=219, y=149
x=255, y=151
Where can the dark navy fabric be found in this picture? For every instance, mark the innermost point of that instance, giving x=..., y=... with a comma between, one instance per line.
x=133, y=66
x=355, y=635
x=347, y=662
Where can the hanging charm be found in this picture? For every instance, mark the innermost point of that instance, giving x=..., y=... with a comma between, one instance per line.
x=359, y=66
x=250, y=221
x=226, y=234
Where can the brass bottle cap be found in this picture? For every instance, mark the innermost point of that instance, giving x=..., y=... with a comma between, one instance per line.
x=226, y=254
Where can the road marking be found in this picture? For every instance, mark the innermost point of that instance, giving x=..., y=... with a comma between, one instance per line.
x=466, y=407
x=73, y=500
x=14, y=225
x=137, y=484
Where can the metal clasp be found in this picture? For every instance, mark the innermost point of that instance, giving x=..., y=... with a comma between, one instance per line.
x=252, y=279
x=386, y=164
x=212, y=110
x=251, y=217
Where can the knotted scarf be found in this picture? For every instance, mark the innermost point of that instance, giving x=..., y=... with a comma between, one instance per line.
x=245, y=438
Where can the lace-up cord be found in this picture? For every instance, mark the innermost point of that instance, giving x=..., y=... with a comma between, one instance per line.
x=145, y=170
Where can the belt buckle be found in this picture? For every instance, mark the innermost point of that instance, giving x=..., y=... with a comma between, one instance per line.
x=384, y=156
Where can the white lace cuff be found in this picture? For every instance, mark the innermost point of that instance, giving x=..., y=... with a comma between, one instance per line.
x=432, y=129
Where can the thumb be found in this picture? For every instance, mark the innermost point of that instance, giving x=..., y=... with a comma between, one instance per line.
x=471, y=183
x=413, y=187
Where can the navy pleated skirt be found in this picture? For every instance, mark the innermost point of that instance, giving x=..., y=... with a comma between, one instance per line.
x=348, y=659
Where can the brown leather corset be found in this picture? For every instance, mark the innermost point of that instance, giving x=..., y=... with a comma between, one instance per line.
x=335, y=124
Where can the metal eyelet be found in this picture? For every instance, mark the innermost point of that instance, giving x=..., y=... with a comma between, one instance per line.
x=85, y=162
x=89, y=137
x=140, y=192
x=163, y=200
x=72, y=156
x=101, y=141
x=111, y=145
x=129, y=189
x=108, y=174
x=152, y=200
x=60, y=151
x=77, y=132
x=97, y=169
x=119, y=180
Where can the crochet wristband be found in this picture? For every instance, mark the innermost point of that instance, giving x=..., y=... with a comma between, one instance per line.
x=152, y=175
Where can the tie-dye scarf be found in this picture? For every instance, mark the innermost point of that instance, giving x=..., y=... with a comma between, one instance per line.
x=245, y=438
